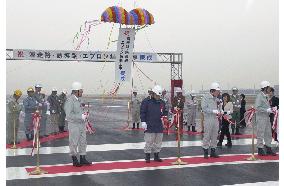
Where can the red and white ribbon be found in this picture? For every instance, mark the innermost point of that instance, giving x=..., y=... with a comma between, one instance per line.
x=250, y=114
x=275, y=119
x=36, y=125
x=89, y=127
x=226, y=117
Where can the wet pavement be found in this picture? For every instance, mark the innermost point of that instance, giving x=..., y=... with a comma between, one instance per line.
x=111, y=145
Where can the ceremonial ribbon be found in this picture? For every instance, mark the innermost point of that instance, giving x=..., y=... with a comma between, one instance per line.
x=250, y=114
x=275, y=120
x=36, y=124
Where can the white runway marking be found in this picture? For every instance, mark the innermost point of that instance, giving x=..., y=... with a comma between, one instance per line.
x=111, y=147
x=267, y=183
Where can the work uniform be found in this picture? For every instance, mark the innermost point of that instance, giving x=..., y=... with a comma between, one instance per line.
x=263, y=126
x=30, y=106
x=62, y=115
x=55, y=109
x=135, y=110
x=151, y=112
x=236, y=115
x=211, y=123
x=13, y=109
x=39, y=97
x=76, y=126
x=191, y=113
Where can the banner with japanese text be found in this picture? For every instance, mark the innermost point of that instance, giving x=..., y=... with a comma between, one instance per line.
x=124, y=54
x=69, y=55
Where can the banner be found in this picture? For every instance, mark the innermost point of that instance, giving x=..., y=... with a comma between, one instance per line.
x=124, y=54
x=69, y=55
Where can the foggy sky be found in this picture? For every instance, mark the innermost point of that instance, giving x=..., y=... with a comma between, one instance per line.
x=234, y=42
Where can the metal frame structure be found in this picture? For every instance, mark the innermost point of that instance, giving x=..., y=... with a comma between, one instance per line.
x=175, y=59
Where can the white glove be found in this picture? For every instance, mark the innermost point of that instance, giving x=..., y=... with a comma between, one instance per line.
x=48, y=112
x=144, y=125
x=84, y=116
x=274, y=108
x=269, y=110
x=215, y=111
x=228, y=112
x=39, y=104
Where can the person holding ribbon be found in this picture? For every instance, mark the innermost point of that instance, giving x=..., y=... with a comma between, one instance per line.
x=263, y=126
x=211, y=111
x=76, y=117
x=151, y=112
x=227, y=107
x=274, y=102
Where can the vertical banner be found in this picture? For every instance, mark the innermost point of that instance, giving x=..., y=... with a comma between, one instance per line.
x=124, y=54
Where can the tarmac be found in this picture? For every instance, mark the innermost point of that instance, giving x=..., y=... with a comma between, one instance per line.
x=118, y=157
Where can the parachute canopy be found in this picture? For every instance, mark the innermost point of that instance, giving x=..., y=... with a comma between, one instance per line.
x=137, y=16
x=142, y=17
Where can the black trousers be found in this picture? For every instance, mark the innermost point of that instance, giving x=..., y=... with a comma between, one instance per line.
x=242, y=115
x=225, y=131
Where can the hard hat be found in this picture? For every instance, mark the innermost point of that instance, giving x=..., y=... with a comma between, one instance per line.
x=215, y=86
x=149, y=89
x=30, y=89
x=77, y=86
x=134, y=90
x=264, y=84
x=157, y=90
x=193, y=93
x=178, y=89
x=18, y=92
x=54, y=89
x=38, y=86
x=234, y=88
x=64, y=91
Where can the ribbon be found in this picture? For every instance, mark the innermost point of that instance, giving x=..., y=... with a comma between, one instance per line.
x=275, y=119
x=249, y=115
x=226, y=117
x=89, y=127
x=36, y=125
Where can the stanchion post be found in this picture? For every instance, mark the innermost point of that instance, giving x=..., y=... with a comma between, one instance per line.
x=178, y=161
x=252, y=157
x=37, y=170
x=14, y=145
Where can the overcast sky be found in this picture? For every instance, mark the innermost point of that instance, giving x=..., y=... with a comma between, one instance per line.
x=234, y=42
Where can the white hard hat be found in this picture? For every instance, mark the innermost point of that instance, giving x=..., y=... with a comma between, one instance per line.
x=157, y=90
x=215, y=86
x=38, y=86
x=264, y=84
x=54, y=89
x=134, y=90
x=193, y=93
x=64, y=91
x=234, y=88
x=149, y=89
x=77, y=86
x=178, y=89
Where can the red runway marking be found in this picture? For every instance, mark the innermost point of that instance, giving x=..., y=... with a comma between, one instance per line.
x=141, y=164
x=242, y=136
x=26, y=143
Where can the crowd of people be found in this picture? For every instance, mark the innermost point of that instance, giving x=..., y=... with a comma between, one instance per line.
x=53, y=105
x=220, y=113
